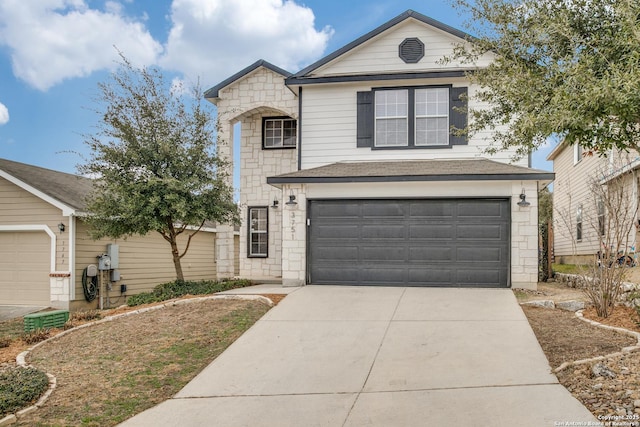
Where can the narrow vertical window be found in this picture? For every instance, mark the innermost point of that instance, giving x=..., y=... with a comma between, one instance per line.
x=579, y=223
x=601, y=217
x=258, y=232
x=577, y=153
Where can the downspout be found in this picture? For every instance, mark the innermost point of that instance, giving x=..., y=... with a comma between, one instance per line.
x=300, y=129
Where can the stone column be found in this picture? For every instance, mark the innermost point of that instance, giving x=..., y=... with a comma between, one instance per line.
x=294, y=237
x=225, y=243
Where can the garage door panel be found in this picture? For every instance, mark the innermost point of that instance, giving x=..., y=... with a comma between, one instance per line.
x=338, y=230
x=382, y=275
x=428, y=253
x=381, y=231
x=337, y=253
x=384, y=210
x=430, y=276
x=472, y=254
x=432, y=231
x=428, y=242
x=431, y=211
x=386, y=253
x=343, y=210
x=480, y=232
x=488, y=209
x=470, y=277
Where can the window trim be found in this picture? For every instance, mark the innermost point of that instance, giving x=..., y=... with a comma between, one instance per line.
x=411, y=118
x=250, y=232
x=281, y=147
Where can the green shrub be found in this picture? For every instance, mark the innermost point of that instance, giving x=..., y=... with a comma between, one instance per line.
x=175, y=289
x=20, y=387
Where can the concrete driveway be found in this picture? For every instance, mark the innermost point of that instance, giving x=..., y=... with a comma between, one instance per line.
x=367, y=356
x=8, y=312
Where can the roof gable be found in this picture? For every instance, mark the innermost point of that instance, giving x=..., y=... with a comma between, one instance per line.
x=65, y=191
x=214, y=91
x=359, y=42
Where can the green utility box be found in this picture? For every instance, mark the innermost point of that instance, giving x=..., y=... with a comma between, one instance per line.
x=45, y=320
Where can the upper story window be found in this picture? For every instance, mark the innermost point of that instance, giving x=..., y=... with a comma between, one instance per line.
x=279, y=132
x=411, y=117
x=577, y=153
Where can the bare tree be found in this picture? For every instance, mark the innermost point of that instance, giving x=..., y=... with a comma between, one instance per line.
x=605, y=220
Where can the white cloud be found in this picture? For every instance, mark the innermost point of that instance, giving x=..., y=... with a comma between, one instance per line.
x=54, y=40
x=212, y=39
x=4, y=114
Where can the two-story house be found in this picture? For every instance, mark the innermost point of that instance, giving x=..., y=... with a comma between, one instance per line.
x=351, y=172
x=580, y=215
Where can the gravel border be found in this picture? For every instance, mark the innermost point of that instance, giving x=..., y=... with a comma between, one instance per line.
x=21, y=358
x=624, y=350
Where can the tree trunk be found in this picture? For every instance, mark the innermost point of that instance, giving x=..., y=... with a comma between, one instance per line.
x=176, y=259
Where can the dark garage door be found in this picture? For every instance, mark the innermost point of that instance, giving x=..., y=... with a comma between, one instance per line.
x=443, y=242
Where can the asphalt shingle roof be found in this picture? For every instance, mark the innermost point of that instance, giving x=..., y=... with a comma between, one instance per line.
x=413, y=170
x=69, y=189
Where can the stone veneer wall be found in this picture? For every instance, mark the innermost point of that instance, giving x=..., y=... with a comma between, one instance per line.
x=524, y=237
x=260, y=94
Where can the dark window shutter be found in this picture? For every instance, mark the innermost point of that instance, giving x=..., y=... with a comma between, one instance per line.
x=458, y=114
x=365, y=119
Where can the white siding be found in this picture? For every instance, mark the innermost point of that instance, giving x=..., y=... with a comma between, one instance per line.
x=329, y=128
x=571, y=190
x=380, y=54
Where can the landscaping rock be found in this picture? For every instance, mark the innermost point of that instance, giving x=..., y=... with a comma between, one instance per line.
x=572, y=305
x=600, y=370
x=542, y=303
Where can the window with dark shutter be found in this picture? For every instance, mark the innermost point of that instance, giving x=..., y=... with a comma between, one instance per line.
x=365, y=119
x=458, y=112
x=412, y=117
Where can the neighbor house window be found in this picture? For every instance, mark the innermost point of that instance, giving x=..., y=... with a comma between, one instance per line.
x=258, y=232
x=412, y=117
x=601, y=217
x=279, y=132
x=579, y=223
x=577, y=153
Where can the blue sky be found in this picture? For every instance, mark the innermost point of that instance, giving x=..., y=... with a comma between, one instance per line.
x=54, y=52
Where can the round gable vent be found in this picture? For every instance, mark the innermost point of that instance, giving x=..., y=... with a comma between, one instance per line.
x=411, y=50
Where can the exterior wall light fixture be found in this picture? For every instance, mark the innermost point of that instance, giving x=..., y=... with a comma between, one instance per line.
x=275, y=204
x=61, y=227
x=292, y=200
x=523, y=200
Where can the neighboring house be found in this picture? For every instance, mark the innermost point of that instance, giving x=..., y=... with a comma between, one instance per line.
x=578, y=217
x=350, y=174
x=45, y=246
